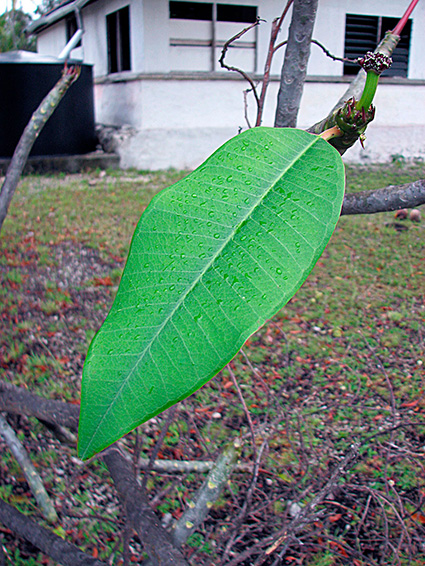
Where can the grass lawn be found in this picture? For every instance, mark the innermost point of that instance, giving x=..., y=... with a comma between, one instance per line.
x=343, y=362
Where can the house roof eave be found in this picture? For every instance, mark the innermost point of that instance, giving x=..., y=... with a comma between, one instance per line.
x=56, y=15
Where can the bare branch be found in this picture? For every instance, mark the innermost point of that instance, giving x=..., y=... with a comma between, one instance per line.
x=59, y=550
x=236, y=69
x=32, y=477
x=329, y=54
x=276, y=27
x=386, y=199
x=207, y=494
x=29, y=135
x=295, y=63
x=169, y=419
x=17, y=401
x=187, y=466
x=308, y=512
x=139, y=514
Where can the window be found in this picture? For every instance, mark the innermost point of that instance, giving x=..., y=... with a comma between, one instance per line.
x=363, y=33
x=118, y=34
x=204, y=11
x=198, y=31
x=191, y=11
x=71, y=28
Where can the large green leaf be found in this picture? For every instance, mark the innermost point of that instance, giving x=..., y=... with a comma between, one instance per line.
x=212, y=258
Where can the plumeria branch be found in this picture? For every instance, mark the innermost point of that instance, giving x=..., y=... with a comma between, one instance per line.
x=32, y=131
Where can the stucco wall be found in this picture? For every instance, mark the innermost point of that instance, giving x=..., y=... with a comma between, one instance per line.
x=178, y=123
x=53, y=40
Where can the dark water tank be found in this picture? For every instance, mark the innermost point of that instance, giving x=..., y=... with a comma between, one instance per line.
x=25, y=79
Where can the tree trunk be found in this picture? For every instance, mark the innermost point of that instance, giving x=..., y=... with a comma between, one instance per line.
x=295, y=62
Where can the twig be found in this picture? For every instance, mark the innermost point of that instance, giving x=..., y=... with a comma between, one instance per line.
x=245, y=106
x=246, y=411
x=33, y=479
x=29, y=135
x=170, y=416
x=59, y=550
x=276, y=27
x=236, y=69
x=307, y=512
x=237, y=522
x=390, y=388
x=330, y=55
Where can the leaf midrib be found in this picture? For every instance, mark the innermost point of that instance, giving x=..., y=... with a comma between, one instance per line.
x=194, y=284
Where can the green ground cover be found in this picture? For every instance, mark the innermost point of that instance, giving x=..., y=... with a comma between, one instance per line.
x=343, y=362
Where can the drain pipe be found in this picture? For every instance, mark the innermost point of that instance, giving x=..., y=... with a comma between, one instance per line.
x=73, y=42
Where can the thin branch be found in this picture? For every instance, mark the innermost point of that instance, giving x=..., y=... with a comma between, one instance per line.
x=307, y=513
x=33, y=479
x=29, y=135
x=325, y=51
x=186, y=466
x=246, y=411
x=169, y=419
x=236, y=69
x=237, y=522
x=56, y=548
x=330, y=55
x=276, y=27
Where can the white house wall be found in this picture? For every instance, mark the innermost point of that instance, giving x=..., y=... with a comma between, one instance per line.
x=53, y=40
x=178, y=123
x=177, y=119
x=95, y=41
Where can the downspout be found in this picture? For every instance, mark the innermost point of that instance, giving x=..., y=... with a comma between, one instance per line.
x=73, y=42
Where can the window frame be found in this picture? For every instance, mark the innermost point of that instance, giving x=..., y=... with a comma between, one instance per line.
x=118, y=39
x=213, y=44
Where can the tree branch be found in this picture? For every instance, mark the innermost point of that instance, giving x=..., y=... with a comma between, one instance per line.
x=15, y=400
x=140, y=516
x=355, y=89
x=208, y=493
x=236, y=69
x=33, y=479
x=294, y=68
x=29, y=135
x=61, y=551
x=276, y=26
x=386, y=199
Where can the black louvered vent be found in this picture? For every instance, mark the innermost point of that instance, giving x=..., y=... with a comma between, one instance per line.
x=400, y=57
x=363, y=33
